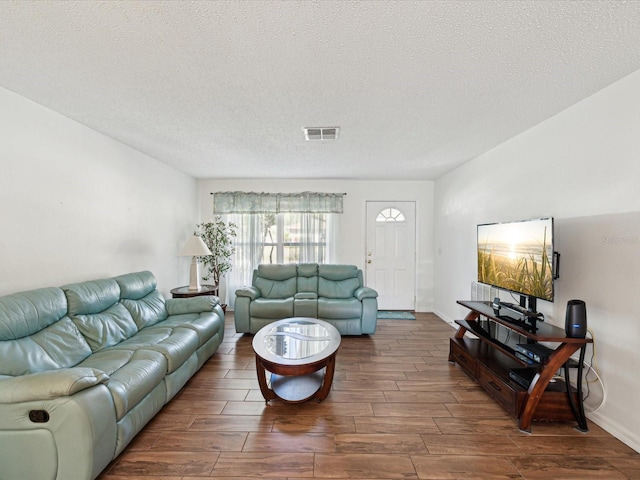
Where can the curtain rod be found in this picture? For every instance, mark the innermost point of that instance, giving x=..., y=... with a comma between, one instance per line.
x=281, y=193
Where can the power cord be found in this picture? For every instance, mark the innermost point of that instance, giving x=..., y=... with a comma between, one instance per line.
x=592, y=368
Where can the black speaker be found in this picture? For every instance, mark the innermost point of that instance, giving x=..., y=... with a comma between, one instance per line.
x=575, y=324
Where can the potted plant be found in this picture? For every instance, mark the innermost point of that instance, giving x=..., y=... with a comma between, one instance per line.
x=218, y=235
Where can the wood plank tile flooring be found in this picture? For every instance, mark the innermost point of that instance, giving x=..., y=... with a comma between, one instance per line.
x=398, y=409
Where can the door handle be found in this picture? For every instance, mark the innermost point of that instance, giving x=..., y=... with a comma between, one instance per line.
x=368, y=261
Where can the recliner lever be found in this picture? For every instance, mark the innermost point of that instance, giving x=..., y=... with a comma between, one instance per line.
x=39, y=416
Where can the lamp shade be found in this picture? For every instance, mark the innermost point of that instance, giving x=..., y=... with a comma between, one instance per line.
x=194, y=247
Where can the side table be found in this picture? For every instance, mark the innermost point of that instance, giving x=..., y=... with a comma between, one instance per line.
x=184, y=292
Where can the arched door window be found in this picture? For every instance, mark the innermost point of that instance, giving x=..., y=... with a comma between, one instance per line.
x=390, y=215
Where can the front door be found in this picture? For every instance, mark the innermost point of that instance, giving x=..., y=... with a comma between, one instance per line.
x=391, y=253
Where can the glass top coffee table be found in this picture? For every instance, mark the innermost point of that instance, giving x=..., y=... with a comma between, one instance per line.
x=300, y=354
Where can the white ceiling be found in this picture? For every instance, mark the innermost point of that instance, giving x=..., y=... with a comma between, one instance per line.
x=223, y=88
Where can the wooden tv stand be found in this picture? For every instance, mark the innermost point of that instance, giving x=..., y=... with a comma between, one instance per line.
x=488, y=360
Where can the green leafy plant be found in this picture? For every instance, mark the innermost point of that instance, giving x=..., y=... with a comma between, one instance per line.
x=218, y=235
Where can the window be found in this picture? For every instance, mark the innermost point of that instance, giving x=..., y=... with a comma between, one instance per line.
x=390, y=215
x=294, y=238
x=281, y=238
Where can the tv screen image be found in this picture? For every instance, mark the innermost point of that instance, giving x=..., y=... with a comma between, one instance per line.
x=518, y=257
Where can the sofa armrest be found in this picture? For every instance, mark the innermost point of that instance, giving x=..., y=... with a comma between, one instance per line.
x=251, y=292
x=50, y=384
x=365, y=292
x=202, y=303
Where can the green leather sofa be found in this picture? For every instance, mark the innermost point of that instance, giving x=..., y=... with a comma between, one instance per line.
x=84, y=367
x=334, y=293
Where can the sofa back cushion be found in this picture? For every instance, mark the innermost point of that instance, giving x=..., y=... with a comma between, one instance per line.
x=36, y=334
x=139, y=296
x=137, y=285
x=276, y=281
x=308, y=278
x=338, y=281
x=95, y=309
x=147, y=310
x=60, y=345
x=106, y=328
x=86, y=298
x=25, y=313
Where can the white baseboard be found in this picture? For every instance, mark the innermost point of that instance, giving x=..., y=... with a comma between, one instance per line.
x=445, y=318
x=619, y=431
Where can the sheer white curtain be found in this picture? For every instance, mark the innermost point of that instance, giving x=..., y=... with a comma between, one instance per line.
x=249, y=248
x=317, y=237
x=331, y=233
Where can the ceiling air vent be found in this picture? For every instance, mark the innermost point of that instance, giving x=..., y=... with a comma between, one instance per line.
x=321, y=133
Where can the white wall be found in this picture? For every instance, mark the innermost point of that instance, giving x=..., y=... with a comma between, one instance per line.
x=76, y=205
x=351, y=241
x=581, y=167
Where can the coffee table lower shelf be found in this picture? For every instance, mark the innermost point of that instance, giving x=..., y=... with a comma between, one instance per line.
x=296, y=384
x=299, y=388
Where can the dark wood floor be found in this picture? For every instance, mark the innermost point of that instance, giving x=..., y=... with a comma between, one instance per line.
x=397, y=409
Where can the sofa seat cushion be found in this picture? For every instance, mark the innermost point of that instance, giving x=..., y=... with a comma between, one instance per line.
x=176, y=344
x=133, y=374
x=206, y=325
x=339, y=308
x=272, y=307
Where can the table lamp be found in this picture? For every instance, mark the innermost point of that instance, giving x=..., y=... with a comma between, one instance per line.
x=195, y=248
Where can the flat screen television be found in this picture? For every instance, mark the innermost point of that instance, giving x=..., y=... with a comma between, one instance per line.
x=519, y=257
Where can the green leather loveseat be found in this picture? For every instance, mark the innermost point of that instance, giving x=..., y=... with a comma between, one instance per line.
x=84, y=367
x=334, y=293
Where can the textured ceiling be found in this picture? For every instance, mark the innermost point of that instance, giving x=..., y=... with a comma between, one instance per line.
x=222, y=89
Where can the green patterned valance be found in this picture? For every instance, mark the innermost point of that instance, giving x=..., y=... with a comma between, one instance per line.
x=252, y=202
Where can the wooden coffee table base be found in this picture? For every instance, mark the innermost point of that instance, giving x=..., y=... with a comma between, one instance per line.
x=296, y=383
